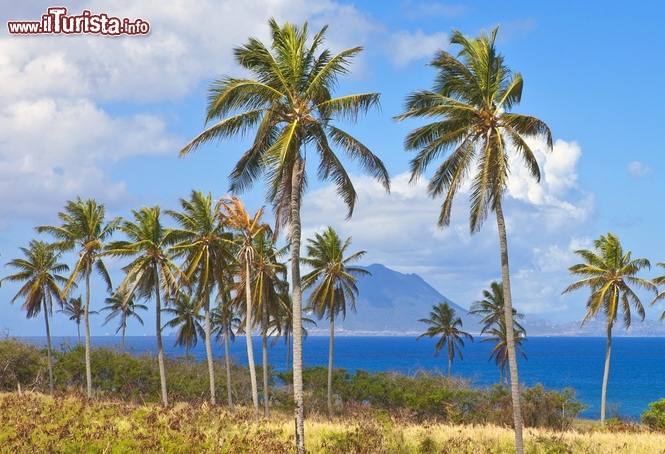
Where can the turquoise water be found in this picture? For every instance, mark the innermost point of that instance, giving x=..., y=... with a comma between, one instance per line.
x=636, y=373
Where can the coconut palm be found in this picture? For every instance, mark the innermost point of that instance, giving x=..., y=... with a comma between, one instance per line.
x=497, y=334
x=187, y=318
x=334, y=284
x=84, y=228
x=40, y=270
x=74, y=309
x=471, y=100
x=289, y=102
x=270, y=293
x=492, y=309
x=660, y=280
x=609, y=273
x=223, y=322
x=446, y=326
x=206, y=250
x=152, y=272
x=234, y=216
x=122, y=305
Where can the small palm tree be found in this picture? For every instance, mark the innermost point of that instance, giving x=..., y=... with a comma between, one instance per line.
x=333, y=280
x=609, y=273
x=660, y=280
x=207, y=252
x=471, y=100
x=84, y=226
x=497, y=334
x=74, y=309
x=223, y=322
x=122, y=305
x=151, y=273
x=40, y=270
x=444, y=324
x=187, y=318
x=289, y=103
x=234, y=216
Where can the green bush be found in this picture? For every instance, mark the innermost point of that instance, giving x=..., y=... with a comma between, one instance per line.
x=654, y=417
x=22, y=366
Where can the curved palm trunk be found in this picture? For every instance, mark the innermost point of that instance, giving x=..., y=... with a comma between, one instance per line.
x=49, y=349
x=606, y=374
x=160, y=346
x=88, y=342
x=510, y=335
x=331, y=350
x=248, y=337
x=295, y=237
x=264, y=348
x=208, y=341
x=227, y=363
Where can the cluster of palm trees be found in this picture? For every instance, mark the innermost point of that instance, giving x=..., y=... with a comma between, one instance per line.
x=288, y=102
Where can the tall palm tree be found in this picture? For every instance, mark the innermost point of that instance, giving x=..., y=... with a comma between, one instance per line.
x=152, y=272
x=234, y=216
x=497, y=334
x=223, y=322
x=40, y=270
x=206, y=250
x=187, y=318
x=270, y=292
x=446, y=326
x=289, y=102
x=75, y=310
x=334, y=284
x=609, y=273
x=471, y=99
x=84, y=228
x=122, y=305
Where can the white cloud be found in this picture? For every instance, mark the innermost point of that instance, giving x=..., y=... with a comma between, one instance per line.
x=638, y=170
x=405, y=47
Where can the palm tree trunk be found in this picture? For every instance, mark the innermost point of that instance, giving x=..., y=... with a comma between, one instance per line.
x=227, y=362
x=606, y=374
x=160, y=347
x=510, y=334
x=48, y=349
x=88, y=342
x=208, y=341
x=248, y=337
x=451, y=351
x=331, y=350
x=122, y=343
x=295, y=236
x=264, y=348
x=78, y=331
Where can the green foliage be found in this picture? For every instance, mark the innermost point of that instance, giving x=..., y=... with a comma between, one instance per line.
x=22, y=365
x=550, y=409
x=654, y=417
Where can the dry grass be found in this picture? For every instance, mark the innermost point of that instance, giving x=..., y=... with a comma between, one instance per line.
x=39, y=424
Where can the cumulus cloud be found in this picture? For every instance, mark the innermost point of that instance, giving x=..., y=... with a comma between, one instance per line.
x=405, y=47
x=638, y=170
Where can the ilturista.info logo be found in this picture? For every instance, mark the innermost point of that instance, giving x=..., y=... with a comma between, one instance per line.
x=56, y=21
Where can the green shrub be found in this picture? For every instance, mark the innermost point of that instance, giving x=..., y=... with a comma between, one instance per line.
x=22, y=365
x=654, y=417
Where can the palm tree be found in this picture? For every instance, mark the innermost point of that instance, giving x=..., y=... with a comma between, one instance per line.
x=151, y=273
x=334, y=283
x=473, y=94
x=234, y=216
x=497, y=334
x=492, y=309
x=223, y=321
x=660, y=280
x=289, y=102
x=40, y=270
x=187, y=318
x=444, y=324
x=270, y=293
x=206, y=249
x=84, y=226
x=122, y=305
x=73, y=308
x=609, y=273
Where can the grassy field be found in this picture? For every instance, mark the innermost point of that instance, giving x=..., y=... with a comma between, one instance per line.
x=34, y=423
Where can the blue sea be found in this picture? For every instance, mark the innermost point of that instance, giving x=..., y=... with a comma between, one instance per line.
x=637, y=369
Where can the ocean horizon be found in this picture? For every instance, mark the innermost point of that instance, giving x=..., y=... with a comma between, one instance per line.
x=636, y=370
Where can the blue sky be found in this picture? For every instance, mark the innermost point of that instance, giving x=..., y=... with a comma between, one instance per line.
x=104, y=117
